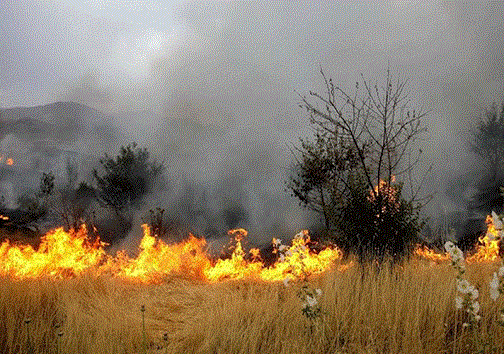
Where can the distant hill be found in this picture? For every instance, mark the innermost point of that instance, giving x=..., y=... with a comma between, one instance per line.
x=61, y=122
x=52, y=138
x=58, y=113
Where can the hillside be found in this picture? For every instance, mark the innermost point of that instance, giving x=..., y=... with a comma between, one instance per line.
x=59, y=121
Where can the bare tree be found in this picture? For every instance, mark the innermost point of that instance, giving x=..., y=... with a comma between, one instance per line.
x=363, y=144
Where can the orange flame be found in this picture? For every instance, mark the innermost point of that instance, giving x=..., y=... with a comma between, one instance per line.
x=60, y=254
x=63, y=254
x=430, y=254
x=297, y=261
x=386, y=191
x=157, y=259
x=488, y=248
x=10, y=162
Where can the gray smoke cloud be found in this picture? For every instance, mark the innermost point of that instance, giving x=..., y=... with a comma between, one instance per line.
x=212, y=90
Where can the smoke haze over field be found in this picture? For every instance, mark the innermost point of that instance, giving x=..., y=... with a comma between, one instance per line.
x=211, y=88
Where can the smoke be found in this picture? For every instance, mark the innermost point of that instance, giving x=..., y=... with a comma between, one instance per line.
x=213, y=90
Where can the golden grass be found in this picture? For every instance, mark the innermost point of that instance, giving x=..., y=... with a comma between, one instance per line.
x=407, y=309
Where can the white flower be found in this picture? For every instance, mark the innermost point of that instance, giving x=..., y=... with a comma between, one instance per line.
x=286, y=281
x=318, y=291
x=496, y=221
x=463, y=286
x=456, y=254
x=475, y=306
x=494, y=283
x=311, y=301
x=501, y=271
x=449, y=246
x=494, y=294
x=458, y=302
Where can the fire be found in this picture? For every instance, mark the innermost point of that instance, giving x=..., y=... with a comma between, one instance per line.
x=60, y=254
x=488, y=249
x=9, y=161
x=157, y=259
x=430, y=254
x=296, y=261
x=63, y=254
x=386, y=193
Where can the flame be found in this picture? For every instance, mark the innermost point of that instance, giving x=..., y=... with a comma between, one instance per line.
x=388, y=195
x=156, y=259
x=297, y=261
x=9, y=161
x=60, y=254
x=430, y=254
x=488, y=248
x=66, y=254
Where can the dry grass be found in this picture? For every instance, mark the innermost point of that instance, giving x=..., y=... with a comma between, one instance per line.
x=401, y=310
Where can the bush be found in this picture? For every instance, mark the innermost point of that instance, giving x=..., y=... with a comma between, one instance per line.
x=363, y=142
x=126, y=179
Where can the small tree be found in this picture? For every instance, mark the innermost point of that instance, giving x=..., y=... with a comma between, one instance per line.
x=38, y=206
x=75, y=206
x=363, y=142
x=126, y=179
x=487, y=141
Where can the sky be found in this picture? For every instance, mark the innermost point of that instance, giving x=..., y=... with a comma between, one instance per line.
x=223, y=79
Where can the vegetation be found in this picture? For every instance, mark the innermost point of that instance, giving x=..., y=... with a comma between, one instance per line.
x=363, y=143
x=126, y=179
x=75, y=206
x=487, y=142
x=37, y=206
x=399, y=310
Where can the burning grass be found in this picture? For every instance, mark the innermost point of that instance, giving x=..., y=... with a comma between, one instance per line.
x=70, y=296
x=67, y=254
x=407, y=309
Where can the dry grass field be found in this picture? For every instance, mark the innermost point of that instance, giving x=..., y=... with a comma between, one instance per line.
x=407, y=309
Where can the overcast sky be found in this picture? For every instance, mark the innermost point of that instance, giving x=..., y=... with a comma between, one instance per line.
x=234, y=67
